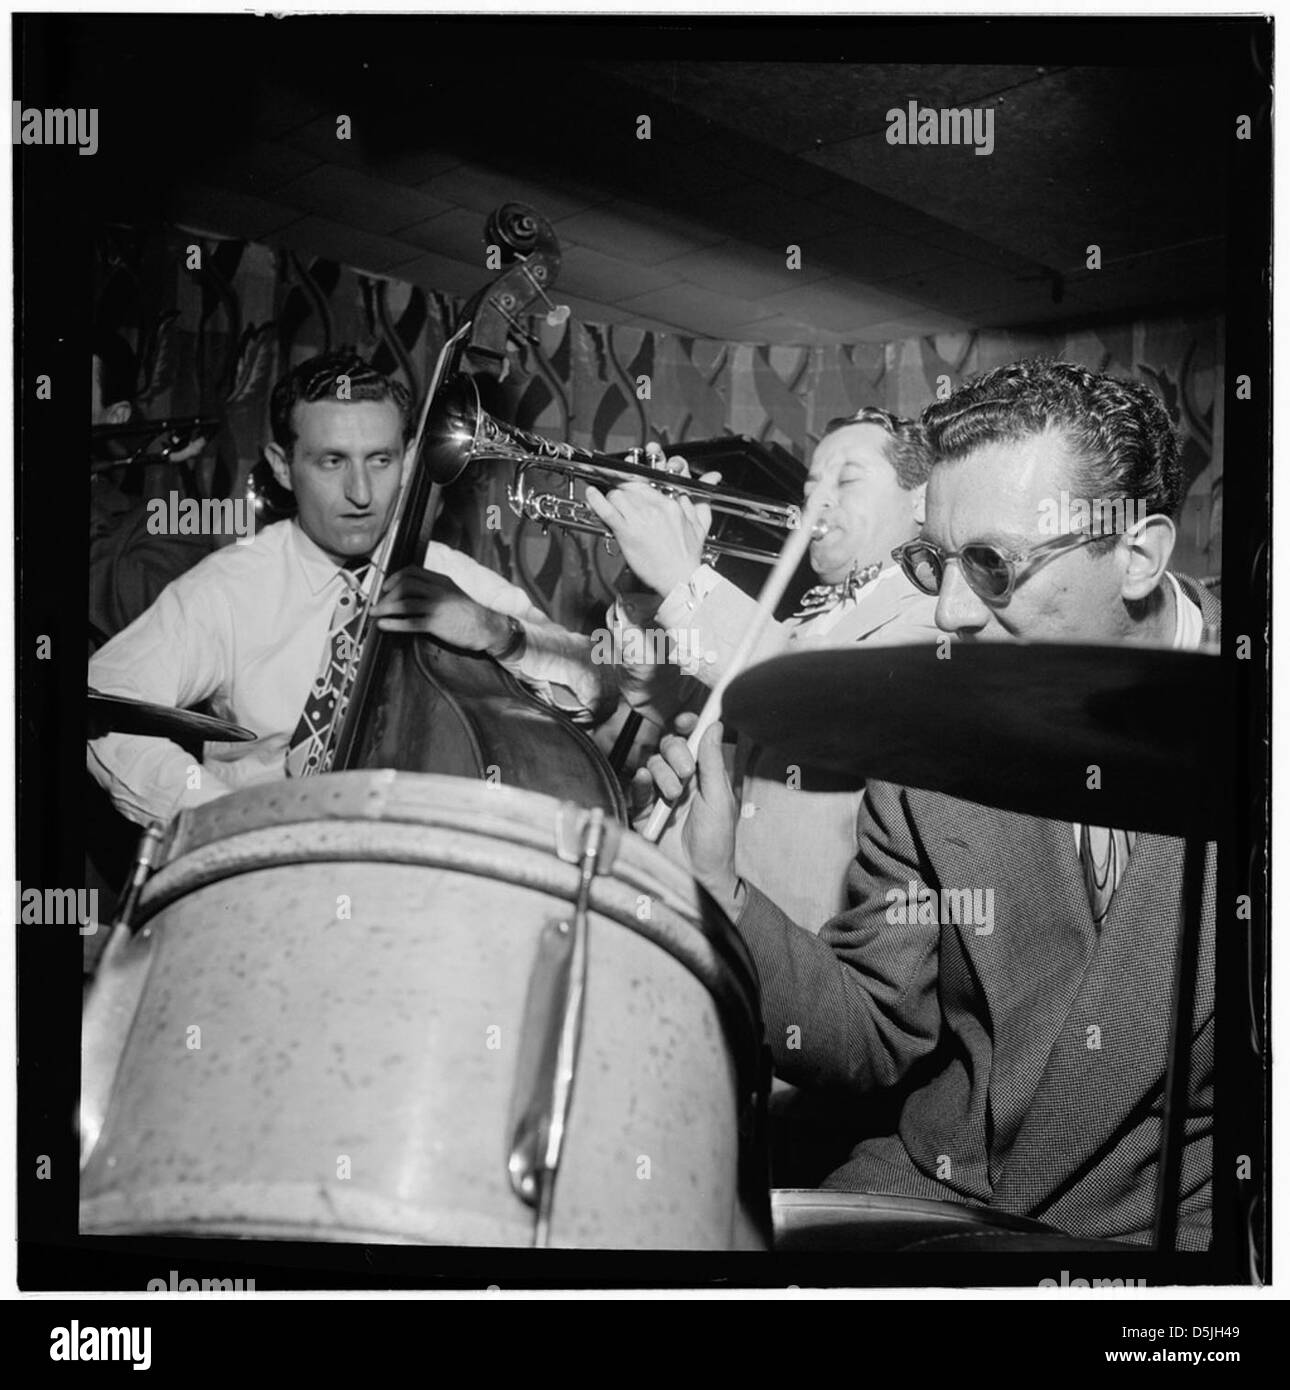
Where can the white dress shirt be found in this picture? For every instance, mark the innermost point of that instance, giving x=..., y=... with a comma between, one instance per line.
x=247, y=629
x=1189, y=633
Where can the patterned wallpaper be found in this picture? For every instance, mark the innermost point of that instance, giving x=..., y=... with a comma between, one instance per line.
x=213, y=339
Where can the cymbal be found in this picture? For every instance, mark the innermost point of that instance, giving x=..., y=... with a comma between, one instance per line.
x=1121, y=735
x=117, y=714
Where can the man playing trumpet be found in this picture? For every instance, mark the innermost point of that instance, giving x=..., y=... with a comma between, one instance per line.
x=796, y=835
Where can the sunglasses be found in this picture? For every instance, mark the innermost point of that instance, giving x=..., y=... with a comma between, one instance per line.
x=991, y=573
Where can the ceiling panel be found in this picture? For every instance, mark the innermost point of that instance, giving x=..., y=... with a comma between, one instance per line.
x=223, y=212
x=348, y=196
x=611, y=279
x=652, y=235
x=697, y=311
x=317, y=236
x=744, y=272
x=688, y=231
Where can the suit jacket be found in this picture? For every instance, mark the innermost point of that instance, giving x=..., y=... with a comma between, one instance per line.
x=797, y=830
x=1028, y=1057
x=796, y=836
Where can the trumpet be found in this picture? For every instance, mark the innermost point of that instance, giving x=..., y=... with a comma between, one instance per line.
x=461, y=432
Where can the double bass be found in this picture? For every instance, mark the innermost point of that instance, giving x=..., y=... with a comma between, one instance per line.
x=414, y=703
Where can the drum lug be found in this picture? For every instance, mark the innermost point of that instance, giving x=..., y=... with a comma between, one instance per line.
x=572, y=827
x=105, y=1025
x=550, y=1035
x=114, y=995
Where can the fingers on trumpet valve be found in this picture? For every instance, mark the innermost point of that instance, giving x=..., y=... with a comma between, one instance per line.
x=656, y=458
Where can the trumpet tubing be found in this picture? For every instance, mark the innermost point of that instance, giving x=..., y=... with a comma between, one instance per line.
x=465, y=434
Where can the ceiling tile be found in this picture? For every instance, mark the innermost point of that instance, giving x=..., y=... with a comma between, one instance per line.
x=843, y=306
x=345, y=195
x=655, y=235
x=877, y=257
x=413, y=167
x=757, y=211
x=483, y=189
x=441, y=273
x=263, y=166
x=744, y=272
x=458, y=232
x=316, y=236
x=610, y=279
x=592, y=310
x=696, y=310
x=1078, y=153
x=225, y=213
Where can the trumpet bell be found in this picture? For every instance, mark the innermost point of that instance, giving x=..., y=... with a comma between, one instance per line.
x=451, y=435
x=461, y=432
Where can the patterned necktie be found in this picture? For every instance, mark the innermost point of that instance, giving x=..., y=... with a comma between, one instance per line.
x=823, y=597
x=308, y=745
x=1103, y=855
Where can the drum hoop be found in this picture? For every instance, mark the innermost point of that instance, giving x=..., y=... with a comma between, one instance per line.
x=809, y=1199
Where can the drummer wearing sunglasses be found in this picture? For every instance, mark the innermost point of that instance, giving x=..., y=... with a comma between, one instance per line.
x=985, y=556
x=982, y=1037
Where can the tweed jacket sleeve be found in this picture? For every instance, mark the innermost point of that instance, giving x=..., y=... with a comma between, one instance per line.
x=856, y=1005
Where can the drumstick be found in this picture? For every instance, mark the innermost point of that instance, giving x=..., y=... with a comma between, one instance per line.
x=771, y=593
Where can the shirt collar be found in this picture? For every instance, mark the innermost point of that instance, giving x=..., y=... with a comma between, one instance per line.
x=318, y=568
x=1189, y=622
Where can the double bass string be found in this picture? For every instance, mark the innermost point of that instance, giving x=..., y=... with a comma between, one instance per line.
x=381, y=564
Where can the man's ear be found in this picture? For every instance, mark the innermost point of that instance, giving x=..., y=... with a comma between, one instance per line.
x=1146, y=550
x=118, y=413
x=918, y=501
x=278, y=462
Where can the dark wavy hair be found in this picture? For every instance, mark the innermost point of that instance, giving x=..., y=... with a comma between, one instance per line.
x=1119, y=432
x=318, y=379
x=907, y=450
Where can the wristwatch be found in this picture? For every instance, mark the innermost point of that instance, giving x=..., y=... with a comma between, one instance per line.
x=516, y=641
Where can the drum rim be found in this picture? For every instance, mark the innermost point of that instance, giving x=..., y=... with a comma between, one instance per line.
x=807, y=1199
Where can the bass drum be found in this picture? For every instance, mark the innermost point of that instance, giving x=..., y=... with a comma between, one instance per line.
x=338, y=1020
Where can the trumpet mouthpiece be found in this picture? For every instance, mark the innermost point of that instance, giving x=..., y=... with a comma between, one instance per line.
x=819, y=530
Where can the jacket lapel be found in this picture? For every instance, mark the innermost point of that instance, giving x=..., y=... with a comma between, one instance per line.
x=1110, y=1054
x=1030, y=966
